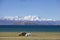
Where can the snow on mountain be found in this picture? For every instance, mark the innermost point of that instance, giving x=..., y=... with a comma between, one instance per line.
x=27, y=18
x=31, y=18
x=10, y=18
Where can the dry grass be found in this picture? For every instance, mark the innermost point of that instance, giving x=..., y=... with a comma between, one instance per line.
x=35, y=36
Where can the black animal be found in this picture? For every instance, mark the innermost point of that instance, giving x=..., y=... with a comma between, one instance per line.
x=22, y=34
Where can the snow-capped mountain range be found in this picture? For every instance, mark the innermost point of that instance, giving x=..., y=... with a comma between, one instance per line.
x=27, y=20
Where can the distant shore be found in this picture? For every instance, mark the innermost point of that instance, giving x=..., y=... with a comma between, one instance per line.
x=35, y=36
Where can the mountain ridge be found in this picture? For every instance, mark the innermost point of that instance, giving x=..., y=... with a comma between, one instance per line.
x=30, y=18
x=27, y=20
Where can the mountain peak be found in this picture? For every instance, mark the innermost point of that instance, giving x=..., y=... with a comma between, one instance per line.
x=32, y=18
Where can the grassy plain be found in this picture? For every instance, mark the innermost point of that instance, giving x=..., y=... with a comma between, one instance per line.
x=35, y=36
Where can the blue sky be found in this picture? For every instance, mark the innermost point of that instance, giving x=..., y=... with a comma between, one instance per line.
x=42, y=8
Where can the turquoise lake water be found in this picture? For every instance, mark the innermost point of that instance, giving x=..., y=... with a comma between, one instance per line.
x=29, y=28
